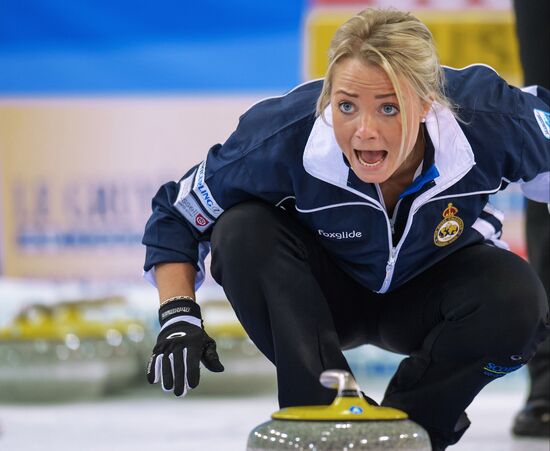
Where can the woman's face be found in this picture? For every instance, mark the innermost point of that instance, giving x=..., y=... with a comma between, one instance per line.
x=367, y=119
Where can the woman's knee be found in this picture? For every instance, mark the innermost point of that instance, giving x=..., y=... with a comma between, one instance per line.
x=254, y=234
x=506, y=310
x=519, y=302
x=243, y=228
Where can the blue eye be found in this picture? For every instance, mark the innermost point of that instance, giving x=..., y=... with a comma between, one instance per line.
x=389, y=109
x=345, y=107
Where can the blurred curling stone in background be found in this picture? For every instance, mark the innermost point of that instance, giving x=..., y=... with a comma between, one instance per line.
x=64, y=341
x=350, y=422
x=247, y=371
x=71, y=350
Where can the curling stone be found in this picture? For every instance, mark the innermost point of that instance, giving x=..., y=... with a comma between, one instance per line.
x=70, y=350
x=349, y=423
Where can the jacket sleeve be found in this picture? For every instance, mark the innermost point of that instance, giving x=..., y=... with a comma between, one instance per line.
x=251, y=164
x=184, y=212
x=257, y=161
x=534, y=168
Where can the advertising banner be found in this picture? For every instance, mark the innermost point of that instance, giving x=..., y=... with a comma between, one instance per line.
x=462, y=38
x=77, y=176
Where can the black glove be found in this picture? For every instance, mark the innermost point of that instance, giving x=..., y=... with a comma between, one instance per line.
x=181, y=344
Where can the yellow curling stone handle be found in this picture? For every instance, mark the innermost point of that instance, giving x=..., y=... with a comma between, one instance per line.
x=349, y=404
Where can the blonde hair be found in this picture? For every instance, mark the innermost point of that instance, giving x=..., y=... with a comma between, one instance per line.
x=400, y=45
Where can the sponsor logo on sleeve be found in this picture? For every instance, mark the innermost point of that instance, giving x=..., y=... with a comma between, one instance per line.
x=190, y=208
x=543, y=119
x=201, y=221
x=204, y=194
x=185, y=186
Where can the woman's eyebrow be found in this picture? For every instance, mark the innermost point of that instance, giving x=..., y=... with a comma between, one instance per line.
x=349, y=94
x=383, y=96
x=379, y=96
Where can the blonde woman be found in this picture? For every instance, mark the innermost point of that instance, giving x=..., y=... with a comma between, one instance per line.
x=355, y=210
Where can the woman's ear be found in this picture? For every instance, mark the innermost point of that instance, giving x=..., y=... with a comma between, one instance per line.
x=426, y=105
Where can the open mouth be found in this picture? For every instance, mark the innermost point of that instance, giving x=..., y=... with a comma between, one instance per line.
x=371, y=158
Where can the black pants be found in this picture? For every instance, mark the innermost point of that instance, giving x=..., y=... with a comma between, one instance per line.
x=538, y=250
x=464, y=321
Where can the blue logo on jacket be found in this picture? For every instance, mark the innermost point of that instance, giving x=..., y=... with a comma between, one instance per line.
x=543, y=119
x=494, y=370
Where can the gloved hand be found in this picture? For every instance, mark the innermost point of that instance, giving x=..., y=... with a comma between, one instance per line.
x=181, y=344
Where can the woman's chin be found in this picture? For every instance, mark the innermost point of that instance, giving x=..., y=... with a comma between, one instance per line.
x=371, y=178
x=371, y=174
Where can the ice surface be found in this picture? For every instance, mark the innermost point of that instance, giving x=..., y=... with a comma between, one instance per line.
x=146, y=421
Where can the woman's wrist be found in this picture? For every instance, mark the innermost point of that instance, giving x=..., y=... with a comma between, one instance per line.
x=177, y=298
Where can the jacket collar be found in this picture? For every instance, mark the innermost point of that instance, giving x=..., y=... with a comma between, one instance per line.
x=453, y=155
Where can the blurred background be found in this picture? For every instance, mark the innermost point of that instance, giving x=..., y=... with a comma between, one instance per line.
x=102, y=102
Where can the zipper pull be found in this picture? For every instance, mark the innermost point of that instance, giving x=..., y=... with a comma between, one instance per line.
x=391, y=261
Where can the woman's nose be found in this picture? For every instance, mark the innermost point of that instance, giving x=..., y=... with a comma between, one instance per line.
x=366, y=128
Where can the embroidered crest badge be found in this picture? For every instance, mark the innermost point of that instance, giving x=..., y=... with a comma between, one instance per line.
x=448, y=230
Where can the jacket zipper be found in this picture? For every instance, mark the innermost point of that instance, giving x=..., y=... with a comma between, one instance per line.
x=392, y=250
x=394, y=216
x=389, y=270
x=417, y=203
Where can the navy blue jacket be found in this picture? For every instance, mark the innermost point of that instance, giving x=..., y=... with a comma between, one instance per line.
x=285, y=155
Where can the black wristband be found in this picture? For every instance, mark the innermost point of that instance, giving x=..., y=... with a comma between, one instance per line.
x=179, y=308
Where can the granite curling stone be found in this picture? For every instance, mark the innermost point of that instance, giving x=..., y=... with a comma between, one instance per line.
x=349, y=423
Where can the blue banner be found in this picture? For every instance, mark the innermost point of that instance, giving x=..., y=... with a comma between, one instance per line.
x=68, y=47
